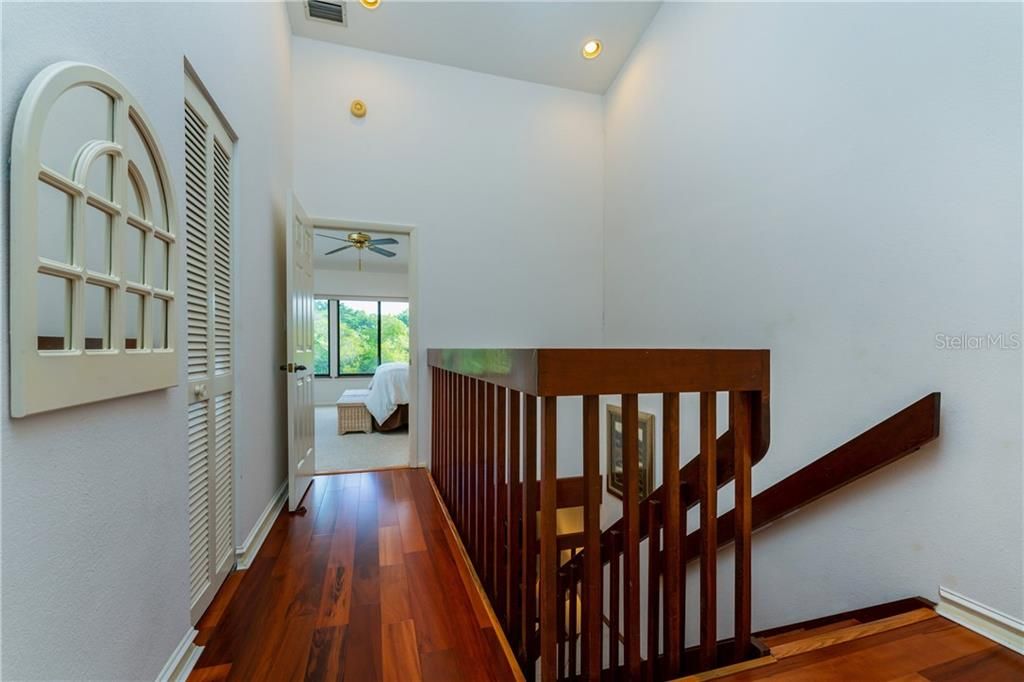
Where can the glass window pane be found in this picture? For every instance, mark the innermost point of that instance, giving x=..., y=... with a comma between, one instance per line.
x=321, y=337
x=80, y=115
x=97, y=240
x=97, y=317
x=133, y=318
x=159, y=323
x=53, y=313
x=357, y=337
x=158, y=274
x=54, y=237
x=101, y=177
x=394, y=331
x=134, y=255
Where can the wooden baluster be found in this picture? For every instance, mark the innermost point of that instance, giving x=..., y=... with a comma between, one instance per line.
x=529, y=524
x=501, y=507
x=593, y=592
x=742, y=405
x=709, y=531
x=463, y=450
x=685, y=496
x=457, y=432
x=465, y=441
x=433, y=422
x=478, y=480
x=487, y=530
x=614, y=604
x=549, y=596
x=631, y=535
x=573, y=627
x=449, y=441
x=438, y=460
x=513, y=596
x=653, y=585
x=562, y=643
x=674, y=569
x=474, y=460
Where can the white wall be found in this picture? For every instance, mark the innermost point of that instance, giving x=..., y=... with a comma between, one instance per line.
x=95, y=556
x=838, y=183
x=367, y=284
x=501, y=178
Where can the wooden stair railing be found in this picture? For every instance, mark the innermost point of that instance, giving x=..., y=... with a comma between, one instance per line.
x=892, y=439
x=486, y=438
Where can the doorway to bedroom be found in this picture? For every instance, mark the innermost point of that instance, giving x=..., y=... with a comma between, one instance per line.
x=361, y=348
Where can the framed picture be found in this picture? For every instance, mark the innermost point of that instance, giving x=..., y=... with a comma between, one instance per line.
x=645, y=436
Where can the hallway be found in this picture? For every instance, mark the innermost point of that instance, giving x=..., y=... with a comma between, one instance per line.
x=367, y=585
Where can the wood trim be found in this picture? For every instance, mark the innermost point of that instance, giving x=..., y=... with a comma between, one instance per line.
x=453, y=537
x=726, y=671
x=546, y=372
x=863, y=615
x=827, y=639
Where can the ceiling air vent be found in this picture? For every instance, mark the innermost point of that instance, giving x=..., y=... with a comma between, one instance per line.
x=322, y=10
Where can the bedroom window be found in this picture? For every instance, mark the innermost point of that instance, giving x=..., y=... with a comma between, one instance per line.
x=362, y=333
x=322, y=337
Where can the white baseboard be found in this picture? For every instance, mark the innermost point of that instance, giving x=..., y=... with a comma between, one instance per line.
x=246, y=552
x=182, y=660
x=987, y=622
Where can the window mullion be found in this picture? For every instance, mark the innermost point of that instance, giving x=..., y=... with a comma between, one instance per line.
x=379, y=325
x=117, y=229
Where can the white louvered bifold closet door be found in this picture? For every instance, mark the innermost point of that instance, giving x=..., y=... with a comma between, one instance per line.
x=208, y=239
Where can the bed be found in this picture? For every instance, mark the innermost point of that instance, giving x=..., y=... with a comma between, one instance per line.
x=388, y=399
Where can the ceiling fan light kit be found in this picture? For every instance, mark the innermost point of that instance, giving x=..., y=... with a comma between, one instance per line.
x=363, y=241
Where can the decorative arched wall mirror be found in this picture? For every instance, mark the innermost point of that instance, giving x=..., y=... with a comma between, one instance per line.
x=93, y=255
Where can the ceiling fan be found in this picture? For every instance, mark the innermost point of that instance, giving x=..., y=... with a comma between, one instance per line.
x=362, y=241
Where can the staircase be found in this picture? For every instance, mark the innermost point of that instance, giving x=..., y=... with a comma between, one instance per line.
x=495, y=410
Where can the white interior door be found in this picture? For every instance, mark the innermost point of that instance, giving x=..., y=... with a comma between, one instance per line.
x=208, y=302
x=299, y=300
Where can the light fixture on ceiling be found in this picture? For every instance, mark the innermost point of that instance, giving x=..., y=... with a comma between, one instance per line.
x=591, y=49
x=370, y=4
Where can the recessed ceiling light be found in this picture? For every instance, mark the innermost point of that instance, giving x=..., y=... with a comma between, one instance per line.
x=591, y=48
x=370, y=4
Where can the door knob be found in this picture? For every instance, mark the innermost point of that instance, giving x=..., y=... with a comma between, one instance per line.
x=300, y=368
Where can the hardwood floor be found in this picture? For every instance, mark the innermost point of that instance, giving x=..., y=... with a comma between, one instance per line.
x=927, y=648
x=368, y=585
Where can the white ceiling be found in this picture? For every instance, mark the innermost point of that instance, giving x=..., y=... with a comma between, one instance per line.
x=349, y=258
x=532, y=41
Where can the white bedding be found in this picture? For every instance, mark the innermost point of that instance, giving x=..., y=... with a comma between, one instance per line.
x=389, y=388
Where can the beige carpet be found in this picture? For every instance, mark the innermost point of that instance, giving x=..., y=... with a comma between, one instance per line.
x=356, y=450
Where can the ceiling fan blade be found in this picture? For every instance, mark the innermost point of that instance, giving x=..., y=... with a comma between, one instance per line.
x=342, y=248
x=383, y=252
x=340, y=239
x=384, y=240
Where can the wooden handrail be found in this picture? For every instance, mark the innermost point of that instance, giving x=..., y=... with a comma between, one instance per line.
x=547, y=372
x=891, y=439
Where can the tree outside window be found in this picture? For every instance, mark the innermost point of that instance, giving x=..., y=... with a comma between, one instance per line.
x=367, y=333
